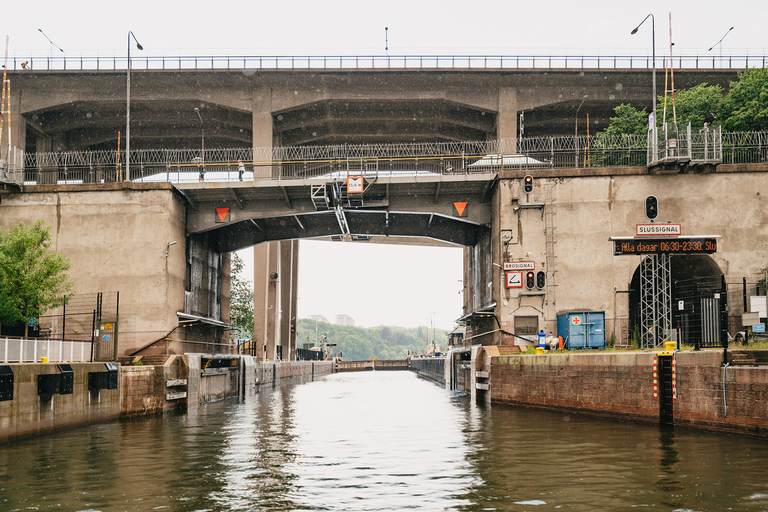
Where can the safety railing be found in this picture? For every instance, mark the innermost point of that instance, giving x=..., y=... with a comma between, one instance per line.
x=188, y=166
x=11, y=166
x=22, y=350
x=282, y=62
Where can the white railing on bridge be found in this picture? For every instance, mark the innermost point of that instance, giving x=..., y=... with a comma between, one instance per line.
x=283, y=62
x=22, y=350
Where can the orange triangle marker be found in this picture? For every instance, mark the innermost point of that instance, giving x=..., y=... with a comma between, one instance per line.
x=222, y=213
x=460, y=208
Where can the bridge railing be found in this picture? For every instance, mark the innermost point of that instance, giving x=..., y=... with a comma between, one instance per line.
x=283, y=62
x=339, y=162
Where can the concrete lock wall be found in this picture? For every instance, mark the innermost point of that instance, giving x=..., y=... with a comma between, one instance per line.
x=116, y=237
x=585, y=207
x=30, y=414
x=154, y=388
x=620, y=385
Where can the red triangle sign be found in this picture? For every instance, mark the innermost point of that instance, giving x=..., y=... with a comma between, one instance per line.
x=222, y=213
x=460, y=208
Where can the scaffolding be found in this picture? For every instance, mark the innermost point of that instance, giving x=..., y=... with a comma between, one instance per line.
x=655, y=299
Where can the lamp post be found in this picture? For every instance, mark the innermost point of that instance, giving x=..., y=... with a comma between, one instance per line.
x=576, y=130
x=52, y=43
x=653, y=45
x=128, y=108
x=720, y=42
x=202, y=143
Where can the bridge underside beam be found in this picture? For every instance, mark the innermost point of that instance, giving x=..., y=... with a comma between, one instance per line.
x=361, y=223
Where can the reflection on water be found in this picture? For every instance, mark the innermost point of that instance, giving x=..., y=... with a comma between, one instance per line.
x=379, y=441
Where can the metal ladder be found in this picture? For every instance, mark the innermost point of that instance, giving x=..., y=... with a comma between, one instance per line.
x=550, y=212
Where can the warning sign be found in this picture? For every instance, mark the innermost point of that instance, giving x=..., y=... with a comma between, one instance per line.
x=355, y=185
x=514, y=279
x=460, y=209
x=222, y=215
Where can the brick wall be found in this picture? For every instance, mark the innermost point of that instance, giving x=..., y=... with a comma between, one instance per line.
x=620, y=385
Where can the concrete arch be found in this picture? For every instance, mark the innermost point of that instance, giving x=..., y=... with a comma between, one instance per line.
x=682, y=268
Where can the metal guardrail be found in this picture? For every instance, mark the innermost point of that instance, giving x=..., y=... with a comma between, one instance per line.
x=21, y=350
x=186, y=166
x=338, y=62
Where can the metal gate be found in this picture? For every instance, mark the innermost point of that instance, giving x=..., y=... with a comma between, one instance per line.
x=702, y=311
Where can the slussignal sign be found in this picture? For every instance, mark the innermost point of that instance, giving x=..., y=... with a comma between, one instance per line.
x=658, y=229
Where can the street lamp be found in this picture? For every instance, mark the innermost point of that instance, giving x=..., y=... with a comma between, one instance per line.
x=653, y=34
x=720, y=41
x=128, y=109
x=202, y=143
x=576, y=130
x=52, y=43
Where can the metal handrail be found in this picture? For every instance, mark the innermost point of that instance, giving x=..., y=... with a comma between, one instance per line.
x=178, y=166
x=23, y=350
x=338, y=62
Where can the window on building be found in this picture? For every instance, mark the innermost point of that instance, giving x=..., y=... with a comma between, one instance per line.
x=526, y=325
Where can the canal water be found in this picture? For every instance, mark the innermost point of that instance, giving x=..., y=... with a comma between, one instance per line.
x=380, y=441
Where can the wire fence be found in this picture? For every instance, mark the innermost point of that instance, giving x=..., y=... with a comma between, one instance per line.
x=283, y=62
x=194, y=165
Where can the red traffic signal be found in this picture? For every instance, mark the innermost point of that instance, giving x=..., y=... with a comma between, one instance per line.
x=528, y=184
x=530, y=280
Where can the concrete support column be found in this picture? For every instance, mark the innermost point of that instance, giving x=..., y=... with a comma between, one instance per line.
x=289, y=282
x=263, y=133
x=506, y=121
x=266, y=305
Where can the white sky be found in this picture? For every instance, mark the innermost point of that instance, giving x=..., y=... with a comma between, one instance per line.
x=373, y=283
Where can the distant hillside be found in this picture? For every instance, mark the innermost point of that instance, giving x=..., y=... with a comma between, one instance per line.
x=363, y=343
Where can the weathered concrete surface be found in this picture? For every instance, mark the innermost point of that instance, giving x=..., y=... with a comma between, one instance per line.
x=145, y=387
x=620, y=385
x=31, y=414
x=116, y=236
x=584, y=208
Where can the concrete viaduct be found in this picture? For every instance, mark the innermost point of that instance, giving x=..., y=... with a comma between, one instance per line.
x=165, y=246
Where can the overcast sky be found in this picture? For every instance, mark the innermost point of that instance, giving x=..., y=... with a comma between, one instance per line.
x=373, y=283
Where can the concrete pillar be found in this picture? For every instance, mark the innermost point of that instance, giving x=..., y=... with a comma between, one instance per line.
x=506, y=121
x=263, y=133
x=289, y=274
x=266, y=255
x=266, y=305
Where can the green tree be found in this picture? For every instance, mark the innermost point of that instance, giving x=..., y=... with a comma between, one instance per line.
x=32, y=279
x=746, y=104
x=628, y=121
x=241, y=299
x=693, y=105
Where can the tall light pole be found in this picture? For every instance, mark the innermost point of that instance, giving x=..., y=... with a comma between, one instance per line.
x=202, y=142
x=720, y=42
x=576, y=130
x=128, y=109
x=49, y=40
x=653, y=46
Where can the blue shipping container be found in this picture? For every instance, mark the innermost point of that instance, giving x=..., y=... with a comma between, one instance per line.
x=582, y=329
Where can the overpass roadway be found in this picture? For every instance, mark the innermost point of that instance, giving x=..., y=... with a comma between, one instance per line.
x=447, y=208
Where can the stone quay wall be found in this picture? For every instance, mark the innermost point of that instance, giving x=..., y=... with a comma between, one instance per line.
x=27, y=412
x=620, y=385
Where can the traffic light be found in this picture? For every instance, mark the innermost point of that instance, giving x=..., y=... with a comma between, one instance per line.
x=541, y=279
x=651, y=207
x=528, y=184
x=530, y=280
